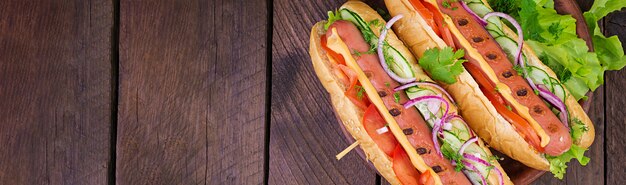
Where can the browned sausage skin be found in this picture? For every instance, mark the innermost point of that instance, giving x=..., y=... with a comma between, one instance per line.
x=420, y=139
x=481, y=40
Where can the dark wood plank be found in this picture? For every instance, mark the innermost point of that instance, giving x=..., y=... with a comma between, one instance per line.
x=615, y=24
x=56, y=91
x=192, y=92
x=305, y=135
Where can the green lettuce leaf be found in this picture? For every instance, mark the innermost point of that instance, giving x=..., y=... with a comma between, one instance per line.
x=610, y=51
x=553, y=37
x=545, y=25
x=601, y=8
x=558, y=164
x=578, y=129
x=332, y=17
x=573, y=56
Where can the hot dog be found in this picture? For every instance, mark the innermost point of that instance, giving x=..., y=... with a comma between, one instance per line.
x=398, y=139
x=503, y=91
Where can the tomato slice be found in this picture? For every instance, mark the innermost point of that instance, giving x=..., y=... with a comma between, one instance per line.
x=332, y=53
x=447, y=37
x=355, y=91
x=427, y=15
x=372, y=121
x=402, y=166
x=520, y=124
x=444, y=31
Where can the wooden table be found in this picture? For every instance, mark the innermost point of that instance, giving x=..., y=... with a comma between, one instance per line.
x=196, y=92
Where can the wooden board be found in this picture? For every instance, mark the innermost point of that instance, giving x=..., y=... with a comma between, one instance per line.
x=192, y=92
x=615, y=147
x=56, y=91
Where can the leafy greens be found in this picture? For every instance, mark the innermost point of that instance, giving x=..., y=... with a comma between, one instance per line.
x=553, y=37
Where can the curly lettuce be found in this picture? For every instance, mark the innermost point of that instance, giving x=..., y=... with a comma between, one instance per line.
x=553, y=37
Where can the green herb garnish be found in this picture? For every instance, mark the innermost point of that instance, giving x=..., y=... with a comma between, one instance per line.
x=446, y=4
x=578, y=128
x=358, y=54
x=443, y=64
x=519, y=70
x=359, y=91
x=396, y=97
x=449, y=153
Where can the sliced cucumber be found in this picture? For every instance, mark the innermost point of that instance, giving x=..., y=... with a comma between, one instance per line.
x=394, y=59
x=415, y=92
x=478, y=7
x=354, y=18
x=366, y=31
x=539, y=76
x=453, y=140
x=558, y=89
x=509, y=46
x=459, y=129
x=399, y=64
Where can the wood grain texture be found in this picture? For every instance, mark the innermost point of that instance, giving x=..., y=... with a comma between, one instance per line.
x=192, y=92
x=615, y=148
x=56, y=91
x=305, y=136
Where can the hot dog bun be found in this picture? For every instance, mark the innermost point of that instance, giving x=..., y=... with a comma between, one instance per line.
x=349, y=113
x=477, y=110
x=369, y=14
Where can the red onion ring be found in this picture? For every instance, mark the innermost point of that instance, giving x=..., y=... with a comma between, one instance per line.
x=500, y=176
x=466, y=144
x=381, y=56
x=406, y=86
x=450, y=117
x=476, y=159
x=420, y=99
x=549, y=96
x=556, y=102
x=480, y=20
x=437, y=130
x=475, y=170
x=520, y=34
x=485, y=163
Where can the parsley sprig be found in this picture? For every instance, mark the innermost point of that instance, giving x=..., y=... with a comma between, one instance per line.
x=443, y=64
